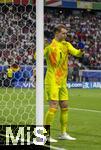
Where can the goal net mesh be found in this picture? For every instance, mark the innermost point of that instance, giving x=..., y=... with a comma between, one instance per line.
x=17, y=66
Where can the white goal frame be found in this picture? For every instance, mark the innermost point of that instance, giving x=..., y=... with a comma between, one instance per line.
x=39, y=62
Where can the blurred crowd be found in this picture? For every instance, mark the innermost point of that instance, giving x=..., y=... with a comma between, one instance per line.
x=17, y=34
x=82, y=26
x=18, y=29
x=90, y=0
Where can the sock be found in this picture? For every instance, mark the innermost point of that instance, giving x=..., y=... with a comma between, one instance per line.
x=64, y=119
x=50, y=116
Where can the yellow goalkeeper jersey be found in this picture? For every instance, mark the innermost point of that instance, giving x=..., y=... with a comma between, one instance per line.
x=56, y=54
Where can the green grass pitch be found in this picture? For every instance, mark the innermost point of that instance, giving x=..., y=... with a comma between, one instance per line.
x=17, y=106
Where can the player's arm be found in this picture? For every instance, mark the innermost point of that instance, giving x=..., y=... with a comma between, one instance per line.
x=73, y=51
x=46, y=49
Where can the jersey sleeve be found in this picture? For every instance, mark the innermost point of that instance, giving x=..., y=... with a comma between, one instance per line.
x=73, y=51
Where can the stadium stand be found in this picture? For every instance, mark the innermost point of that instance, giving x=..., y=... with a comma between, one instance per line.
x=90, y=0
x=17, y=39
x=83, y=26
x=17, y=36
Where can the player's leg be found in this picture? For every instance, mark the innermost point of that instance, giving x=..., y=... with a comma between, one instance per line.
x=49, y=118
x=64, y=114
x=52, y=96
x=51, y=112
x=51, y=93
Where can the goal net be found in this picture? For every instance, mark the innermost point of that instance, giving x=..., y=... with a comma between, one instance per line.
x=17, y=64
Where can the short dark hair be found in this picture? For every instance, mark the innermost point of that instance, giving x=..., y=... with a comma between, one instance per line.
x=59, y=27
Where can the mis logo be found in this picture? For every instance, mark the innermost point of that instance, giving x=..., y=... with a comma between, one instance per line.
x=22, y=135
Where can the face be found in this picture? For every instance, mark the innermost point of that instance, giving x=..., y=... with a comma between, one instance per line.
x=62, y=34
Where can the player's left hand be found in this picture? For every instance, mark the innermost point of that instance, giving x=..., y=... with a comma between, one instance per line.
x=81, y=45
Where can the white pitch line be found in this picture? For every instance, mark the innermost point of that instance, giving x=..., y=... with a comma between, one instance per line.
x=87, y=110
x=54, y=147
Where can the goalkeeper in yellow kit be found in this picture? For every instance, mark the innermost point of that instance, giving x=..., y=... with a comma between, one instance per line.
x=56, y=54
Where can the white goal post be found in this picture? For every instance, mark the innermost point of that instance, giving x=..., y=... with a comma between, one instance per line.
x=39, y=61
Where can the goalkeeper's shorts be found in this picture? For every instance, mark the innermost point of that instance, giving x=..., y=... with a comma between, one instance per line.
x=54, y=92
